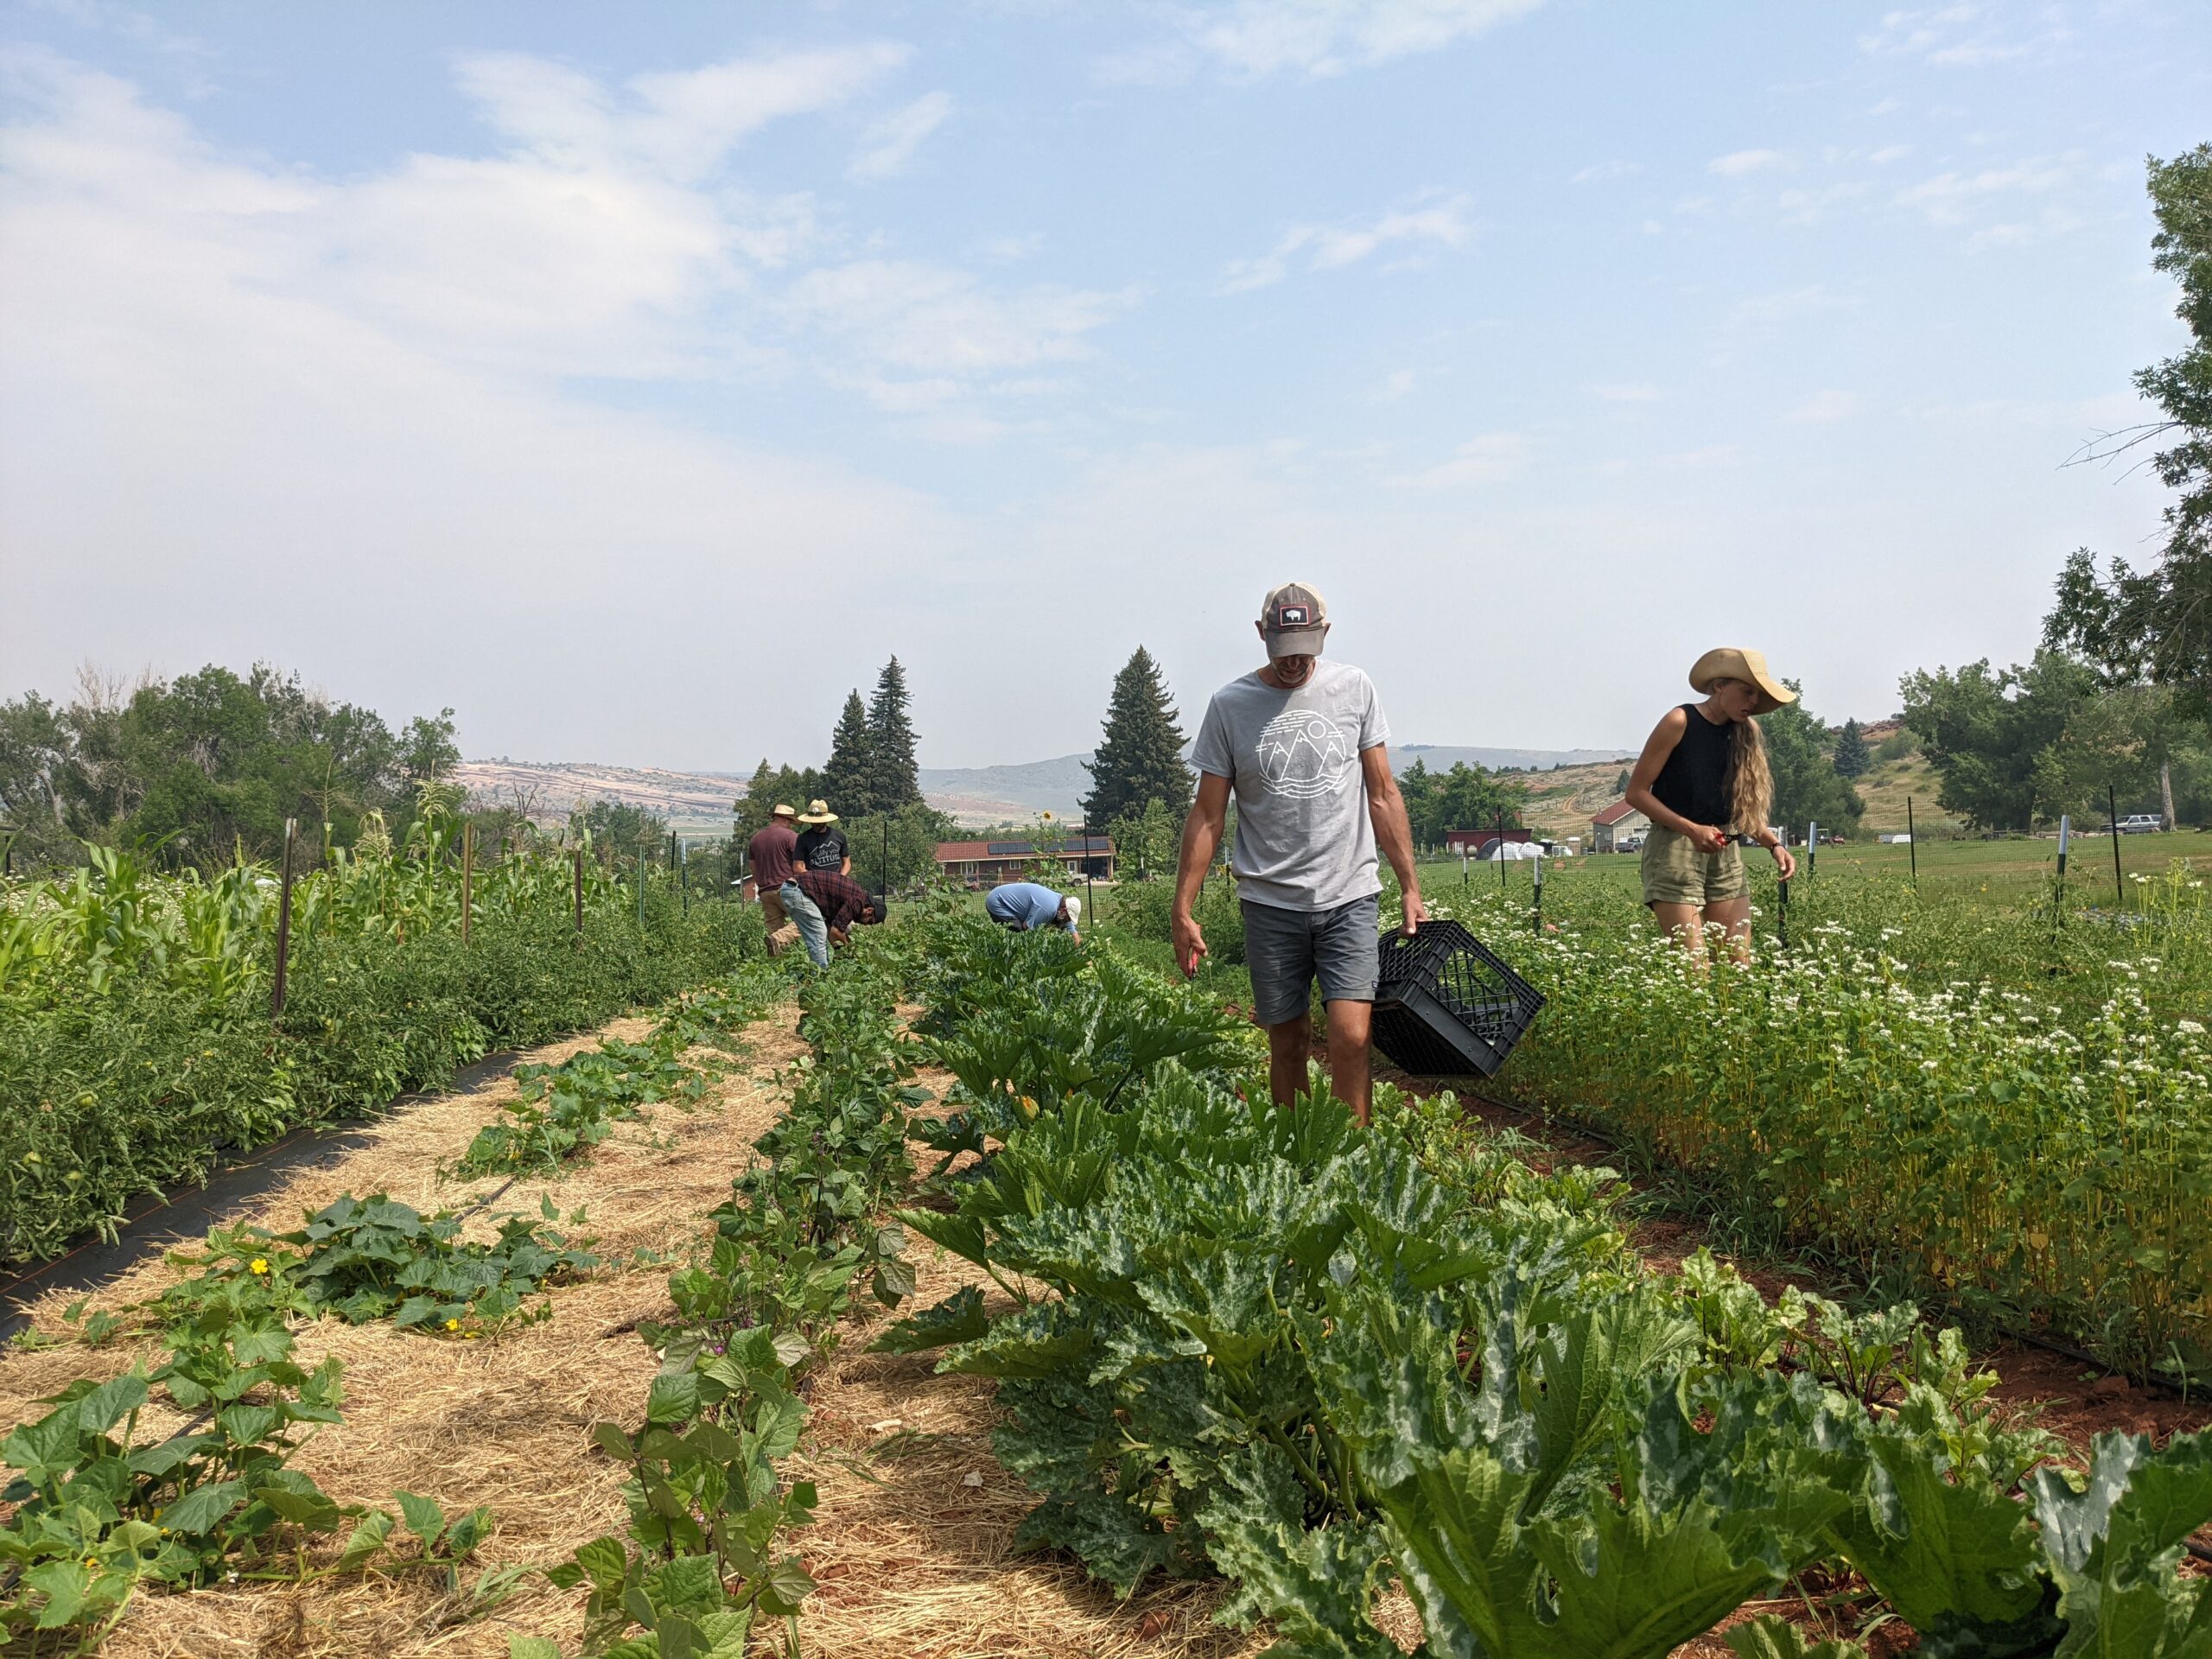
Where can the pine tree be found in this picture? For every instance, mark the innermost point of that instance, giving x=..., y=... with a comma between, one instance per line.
x=849, y=781
x=1140, y=759
x=894, y=776
x=1620, y=783
x=1851, y=758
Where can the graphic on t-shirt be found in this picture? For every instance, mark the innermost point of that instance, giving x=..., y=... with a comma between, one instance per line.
x=1305, y=755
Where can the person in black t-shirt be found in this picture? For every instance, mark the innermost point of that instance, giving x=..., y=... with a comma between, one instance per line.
x=821, y=843
x=1703, y=782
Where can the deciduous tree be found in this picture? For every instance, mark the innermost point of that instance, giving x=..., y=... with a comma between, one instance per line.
x=2155, y=625
x=1985, y=733
x=1807, y=787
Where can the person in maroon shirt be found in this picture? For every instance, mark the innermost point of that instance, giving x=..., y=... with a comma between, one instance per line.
x=774, y=853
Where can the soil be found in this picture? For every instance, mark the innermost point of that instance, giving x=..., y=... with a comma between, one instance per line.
x=912, y=1544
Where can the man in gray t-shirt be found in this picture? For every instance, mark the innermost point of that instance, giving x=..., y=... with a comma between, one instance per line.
x=1301, y=745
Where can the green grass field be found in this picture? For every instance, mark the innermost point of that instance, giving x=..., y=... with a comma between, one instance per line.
x=2007, y=871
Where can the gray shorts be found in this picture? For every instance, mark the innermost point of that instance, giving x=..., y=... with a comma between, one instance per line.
x=1286, y=949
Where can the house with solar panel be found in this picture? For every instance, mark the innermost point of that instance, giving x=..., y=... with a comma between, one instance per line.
x=980, y=864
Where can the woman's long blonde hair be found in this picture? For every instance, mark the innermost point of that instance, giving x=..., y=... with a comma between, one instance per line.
x=1750, y=782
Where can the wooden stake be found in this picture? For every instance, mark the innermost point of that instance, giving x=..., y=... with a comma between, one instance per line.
x=579, y=856
x=468, y=878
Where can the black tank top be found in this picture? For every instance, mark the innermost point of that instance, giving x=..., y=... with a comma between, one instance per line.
x=1695, y=780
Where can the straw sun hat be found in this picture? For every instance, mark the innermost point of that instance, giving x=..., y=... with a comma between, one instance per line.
x=1734, y=662
x=817, y=812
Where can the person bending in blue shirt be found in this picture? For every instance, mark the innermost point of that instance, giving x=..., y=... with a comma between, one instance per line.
x=1025, y=905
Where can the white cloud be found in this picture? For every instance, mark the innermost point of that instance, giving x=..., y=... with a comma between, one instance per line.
x=1736, y=163
x=1809, y=206
x=1824, y=407
x=1254, y=38
x=1493, y=458
x=1889, y=153
x=678, y=125
x=888, y=145
x=1597, y=171
x=1331, y=247
x=1953, y=198
x=1788, y=306
x=256, y=458
x=140, y=28
x=1969, y=36
x=931, y=321
x=1395, y=384
x=606, y=236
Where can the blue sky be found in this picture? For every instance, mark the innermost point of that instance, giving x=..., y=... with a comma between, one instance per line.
x=635, y=379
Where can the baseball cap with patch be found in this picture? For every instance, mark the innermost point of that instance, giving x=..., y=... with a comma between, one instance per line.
x=1294, y=619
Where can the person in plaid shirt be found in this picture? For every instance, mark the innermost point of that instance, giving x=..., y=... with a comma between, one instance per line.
x=840, y=899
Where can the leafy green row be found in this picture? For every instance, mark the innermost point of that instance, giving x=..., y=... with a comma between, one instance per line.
x=2035, y=1146
x=700, y=1561
x=1318, y=1359
x=101, y=1508
x=374, y=1258
x=135, y=1031
x=98, y=1510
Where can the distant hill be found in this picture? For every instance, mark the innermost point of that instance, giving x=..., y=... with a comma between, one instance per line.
x=1010, y=793
x=1004, y=793
x=548, y=792
x=1442, y=756
x=700, y=801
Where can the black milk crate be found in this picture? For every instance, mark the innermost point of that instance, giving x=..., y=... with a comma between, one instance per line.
x=1446, y=1006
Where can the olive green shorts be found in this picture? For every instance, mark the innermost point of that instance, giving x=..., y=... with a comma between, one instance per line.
x=1676, y=873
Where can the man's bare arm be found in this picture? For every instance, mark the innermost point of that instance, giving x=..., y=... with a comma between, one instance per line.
x=1393, y=830
x=1201, y=837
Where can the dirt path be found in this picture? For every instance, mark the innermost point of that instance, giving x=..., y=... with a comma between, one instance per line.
x=913, y=1546
x=505, y=1421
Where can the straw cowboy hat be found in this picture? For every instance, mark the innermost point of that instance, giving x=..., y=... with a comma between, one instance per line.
x=1734, y=662
x=817, y=812
x=783, y=811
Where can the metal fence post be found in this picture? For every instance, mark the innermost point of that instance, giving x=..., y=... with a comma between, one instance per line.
x=2118, y=881
x=468, y=878
x=284, y=922
x=1912, y=844
x=578, y=858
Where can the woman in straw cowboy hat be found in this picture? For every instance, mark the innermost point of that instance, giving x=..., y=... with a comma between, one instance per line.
x=1703, y=782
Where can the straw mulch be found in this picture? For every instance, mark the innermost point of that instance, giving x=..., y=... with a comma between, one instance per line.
x=503, y=1421
x=914, y=1560
x=913, y=1546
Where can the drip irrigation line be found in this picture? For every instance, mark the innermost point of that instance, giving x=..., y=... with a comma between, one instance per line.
x=227, y=1183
